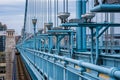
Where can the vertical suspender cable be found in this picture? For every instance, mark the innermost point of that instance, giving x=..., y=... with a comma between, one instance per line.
x=35, y=16
x=49, y=13
x=63, y=5
x=106, y=34
x=55, y=13
x=44, y=10
x=42, y=13
x=112, y=32
x=31, y=15
x=66, y=5
x=35, y=9
x=106, y=17
x=88, y=7
x=50, y=10
x=29, y=19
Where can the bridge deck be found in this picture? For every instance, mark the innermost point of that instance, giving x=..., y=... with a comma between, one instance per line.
x=22, y=73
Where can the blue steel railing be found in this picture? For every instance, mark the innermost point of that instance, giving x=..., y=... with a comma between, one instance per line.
x=43, y=64
x=56, y=67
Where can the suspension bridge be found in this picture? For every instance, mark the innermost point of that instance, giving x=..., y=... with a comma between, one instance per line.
x=63, y=40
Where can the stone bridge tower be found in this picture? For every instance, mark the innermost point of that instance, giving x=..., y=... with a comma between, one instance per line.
x=10, y=52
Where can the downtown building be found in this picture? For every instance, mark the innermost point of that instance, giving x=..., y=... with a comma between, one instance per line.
x=3, y=29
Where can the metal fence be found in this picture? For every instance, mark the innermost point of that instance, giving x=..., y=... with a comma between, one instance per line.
x=53, y=67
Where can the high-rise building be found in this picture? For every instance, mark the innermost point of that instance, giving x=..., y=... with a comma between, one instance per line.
x=3, y=29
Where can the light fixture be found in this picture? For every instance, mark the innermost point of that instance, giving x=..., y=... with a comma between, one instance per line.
x=88, y=16
x=34, y=21
x=63, y=16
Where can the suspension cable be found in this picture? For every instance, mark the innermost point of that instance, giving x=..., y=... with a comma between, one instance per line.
x=44, y=9
x=42, y=13
x=106, y=34
x=25, y=17
x=63, y=5
x=66, y=5
x=55, y=13
x=50, y=10
x=88, y=6
x=30, y=13
x=35, y=8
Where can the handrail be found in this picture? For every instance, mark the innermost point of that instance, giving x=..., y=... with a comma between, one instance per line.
x=113, y=72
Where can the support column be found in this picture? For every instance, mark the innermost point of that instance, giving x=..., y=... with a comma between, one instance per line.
x=81, y=32
x=50, y=43
x=97, y=46
x=92, y=45
x=83, y=28
x=78, y=29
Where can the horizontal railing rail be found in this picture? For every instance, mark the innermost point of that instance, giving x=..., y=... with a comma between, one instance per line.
x=81, y=65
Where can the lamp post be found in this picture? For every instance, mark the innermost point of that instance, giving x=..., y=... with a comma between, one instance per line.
x=34, y=21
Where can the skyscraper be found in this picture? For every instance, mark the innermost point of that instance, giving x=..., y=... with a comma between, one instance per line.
x=3, y=29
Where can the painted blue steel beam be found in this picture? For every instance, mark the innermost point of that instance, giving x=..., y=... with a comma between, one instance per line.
x=60, y=34
x=80, y=31
x=84, y=28
x=59, y=31
x=95, y=25
x=107, y=8
x=50, y=43
x=90, y=24
x=71, y=44
x=92, y=45
x=99, y=28
x=97, y=46
x=102, y=31
x=42, y=34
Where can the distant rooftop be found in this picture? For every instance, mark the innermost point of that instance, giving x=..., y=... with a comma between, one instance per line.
x=11, y=30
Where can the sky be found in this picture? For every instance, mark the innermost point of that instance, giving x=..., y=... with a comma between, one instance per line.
x=12, y=14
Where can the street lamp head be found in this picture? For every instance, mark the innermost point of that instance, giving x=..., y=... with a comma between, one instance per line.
x=34, y=21
x=63, y=16
x=88, y=16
